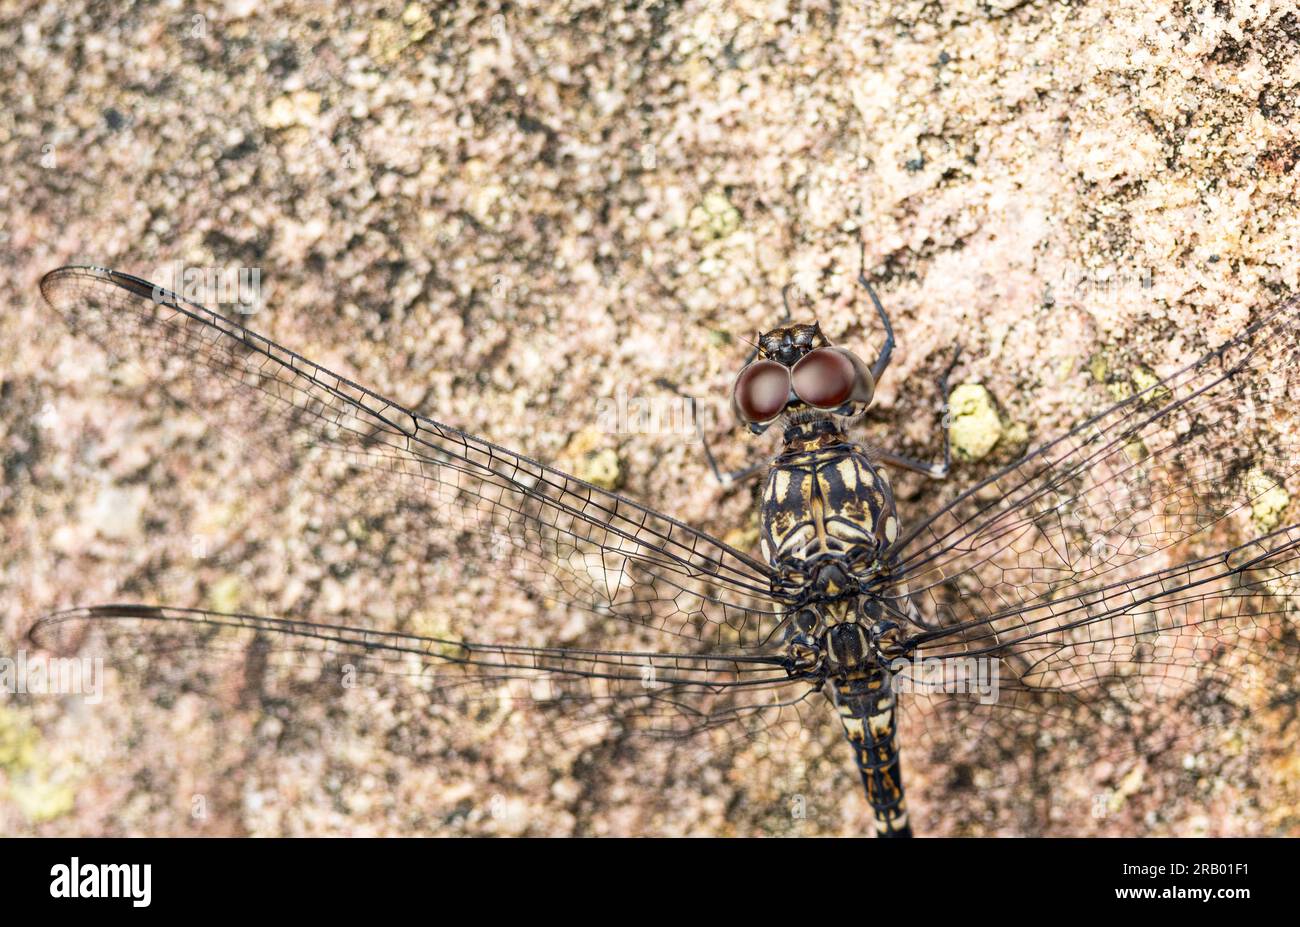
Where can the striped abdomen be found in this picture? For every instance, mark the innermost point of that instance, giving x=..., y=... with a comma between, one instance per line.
x=867, y=709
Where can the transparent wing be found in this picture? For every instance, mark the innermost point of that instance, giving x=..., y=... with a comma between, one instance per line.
x=490, y=509
x=251, y=657
x=1143, y=557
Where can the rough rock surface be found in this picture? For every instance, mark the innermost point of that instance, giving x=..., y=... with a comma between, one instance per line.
x=504, y=217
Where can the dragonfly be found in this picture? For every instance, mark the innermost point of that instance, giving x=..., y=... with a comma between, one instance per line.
x=1132, y=576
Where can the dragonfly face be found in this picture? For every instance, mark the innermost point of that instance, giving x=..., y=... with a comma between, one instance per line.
x=800, y=374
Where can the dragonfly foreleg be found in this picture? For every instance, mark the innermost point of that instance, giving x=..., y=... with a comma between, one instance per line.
x=887, y=349
x=936, y=471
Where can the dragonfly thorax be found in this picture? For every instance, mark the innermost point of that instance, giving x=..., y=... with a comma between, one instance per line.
x=827, y=515
x=847, y=646
x=839, y=638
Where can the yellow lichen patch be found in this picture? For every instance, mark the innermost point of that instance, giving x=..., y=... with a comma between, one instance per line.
x=226, y=594
x=40, y=798
x=417, y=19
x=440, y=641
x=1120, y=390
x=18, y=742
x=582, y=443
x=1144, y=380
x=388, y=39
x=293, y=109
x=975, y=426
x=714, y=218
x=41, y=794
x=603, y=468
x=1123, y=385
x=1136, y=451
x=1015, y=435
x=1268, y=499
x=1130, y=785
x=587, y=460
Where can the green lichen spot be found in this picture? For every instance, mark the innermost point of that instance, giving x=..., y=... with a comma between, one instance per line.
x=28, y=782
x=975, y=426
x=1268, y=499
x=603, y=468
x=226, y=594
x=1143, y=380
x=1120, y=390
x=1136, y=451
x=715, y=217
x=17, y=743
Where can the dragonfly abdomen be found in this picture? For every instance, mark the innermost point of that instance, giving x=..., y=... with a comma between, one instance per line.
x=867, y=709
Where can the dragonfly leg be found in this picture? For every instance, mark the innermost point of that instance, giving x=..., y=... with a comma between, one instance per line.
x=887, y=349
x=785, y=301
x=725, y=479
x=938, y=471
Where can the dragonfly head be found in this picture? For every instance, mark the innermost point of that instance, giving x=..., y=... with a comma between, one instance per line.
x=799, y=373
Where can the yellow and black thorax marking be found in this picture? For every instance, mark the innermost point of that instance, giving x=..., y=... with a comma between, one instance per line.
x=825, y=502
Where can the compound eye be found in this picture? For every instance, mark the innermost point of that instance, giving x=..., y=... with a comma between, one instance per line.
x=762, y=390
x=825, y=378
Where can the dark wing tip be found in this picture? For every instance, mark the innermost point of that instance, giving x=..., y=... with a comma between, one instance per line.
x=62, y=631
x=132, y=284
